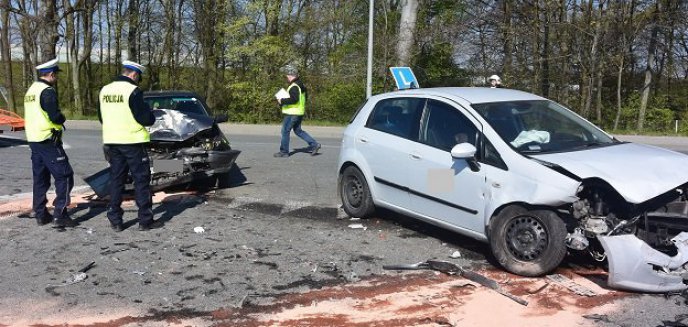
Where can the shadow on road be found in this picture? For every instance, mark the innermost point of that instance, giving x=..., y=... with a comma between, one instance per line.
x=233, y=178
x=10, y=142
x=474, y=249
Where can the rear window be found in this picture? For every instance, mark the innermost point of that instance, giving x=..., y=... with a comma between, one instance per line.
x=397, y=116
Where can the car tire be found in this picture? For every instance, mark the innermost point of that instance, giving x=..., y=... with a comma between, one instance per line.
x=355, y=193
x=528, y=242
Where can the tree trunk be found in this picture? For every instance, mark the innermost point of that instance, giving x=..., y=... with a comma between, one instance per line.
x=73, y=54
x=85, y=58
x=544, y=55
x=407, y=30
x=648, y=69
x=48, y=34
x=133, y=33
x=507, y=35
x=619, y=76
x=6, y=54
x=592, y=64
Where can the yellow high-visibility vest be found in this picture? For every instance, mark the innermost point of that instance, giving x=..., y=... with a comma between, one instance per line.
x=37, y=124
x=298, y=108
x=119, y=125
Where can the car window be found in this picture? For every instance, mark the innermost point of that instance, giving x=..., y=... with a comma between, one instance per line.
x=540, y=126
x=398, y=116
x=446, y=126
x=490, y=156
x=187, y=105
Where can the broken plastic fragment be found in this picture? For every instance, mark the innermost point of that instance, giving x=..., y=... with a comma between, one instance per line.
x=635, y=266
x=358, y=226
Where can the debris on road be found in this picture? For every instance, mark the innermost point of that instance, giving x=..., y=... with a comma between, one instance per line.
x=597, y=318
x=358, y=226
x=199, y=230
x=452, y=269
x=455, y=255
x=571, y=285
x=87, y=267
x=537, y=288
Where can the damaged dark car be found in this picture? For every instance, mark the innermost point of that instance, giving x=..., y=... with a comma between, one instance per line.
x=186, y=143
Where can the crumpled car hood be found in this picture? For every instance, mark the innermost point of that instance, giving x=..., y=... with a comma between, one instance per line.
x=638, y=172
x=174, y=126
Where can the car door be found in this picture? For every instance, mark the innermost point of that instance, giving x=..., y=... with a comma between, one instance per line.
x=442, y=187
x=385, y=143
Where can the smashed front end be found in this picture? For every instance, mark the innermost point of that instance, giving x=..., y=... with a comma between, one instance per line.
x=186, y=147
x=645, y=244
x=632, y=211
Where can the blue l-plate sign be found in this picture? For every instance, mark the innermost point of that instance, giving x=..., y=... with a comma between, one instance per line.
x=404, y=78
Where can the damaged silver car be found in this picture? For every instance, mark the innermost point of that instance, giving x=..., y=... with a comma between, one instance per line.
x=521, y=172
x=186, y=143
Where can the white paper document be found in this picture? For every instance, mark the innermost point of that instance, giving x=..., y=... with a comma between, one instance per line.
x=282, y=94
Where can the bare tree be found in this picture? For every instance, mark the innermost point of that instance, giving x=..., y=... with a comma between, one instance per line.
x=407, y=31
x=5, y=52
x=645, y=91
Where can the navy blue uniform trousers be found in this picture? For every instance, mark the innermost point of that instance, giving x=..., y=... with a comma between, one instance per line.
x=49, y=158
x=124, y=159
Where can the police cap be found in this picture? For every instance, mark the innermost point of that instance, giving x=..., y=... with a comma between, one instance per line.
x=134, y=66
x=49, y=66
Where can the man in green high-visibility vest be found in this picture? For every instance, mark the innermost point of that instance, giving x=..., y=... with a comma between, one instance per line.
x=124, y=116
x=44, y=125
x=293, y=109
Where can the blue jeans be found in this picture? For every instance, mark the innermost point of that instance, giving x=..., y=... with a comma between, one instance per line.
x=124, y=159
x=294, y=122
x=49, y=158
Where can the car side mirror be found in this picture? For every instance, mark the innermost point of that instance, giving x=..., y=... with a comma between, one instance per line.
x=221, y=118
x=466, y=151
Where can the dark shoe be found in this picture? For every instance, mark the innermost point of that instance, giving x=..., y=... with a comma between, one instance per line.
x=315, y=149
x=66, y=222
x=280, y=155
x=117, y=227
x=46, y=219
x=155, y=224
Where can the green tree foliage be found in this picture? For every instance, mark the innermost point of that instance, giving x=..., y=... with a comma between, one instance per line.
x=593, y=56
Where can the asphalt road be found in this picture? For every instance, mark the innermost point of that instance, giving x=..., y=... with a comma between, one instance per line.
x=273, y=229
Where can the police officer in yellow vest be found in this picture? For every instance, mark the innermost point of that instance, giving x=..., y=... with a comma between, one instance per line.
x=293, y=109
x=44, y=126
x=124, y=116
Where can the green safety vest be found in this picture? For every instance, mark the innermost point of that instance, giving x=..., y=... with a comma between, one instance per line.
x=119, y=125
x=37, y=124
x=298, y=108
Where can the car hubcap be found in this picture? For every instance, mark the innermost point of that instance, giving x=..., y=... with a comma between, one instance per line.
x=526, y=238
x=353, y=190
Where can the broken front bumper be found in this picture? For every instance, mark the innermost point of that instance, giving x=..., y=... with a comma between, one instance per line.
x=635, y=266
x=194, y=166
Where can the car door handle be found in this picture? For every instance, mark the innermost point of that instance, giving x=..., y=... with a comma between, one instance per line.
x=363, y=139
x=415, y=156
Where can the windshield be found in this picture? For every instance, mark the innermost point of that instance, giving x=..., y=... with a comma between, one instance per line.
x=541, y=126
x=186, y=105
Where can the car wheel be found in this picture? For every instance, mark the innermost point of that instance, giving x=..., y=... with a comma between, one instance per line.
x=528, y=242
x=355, y=193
